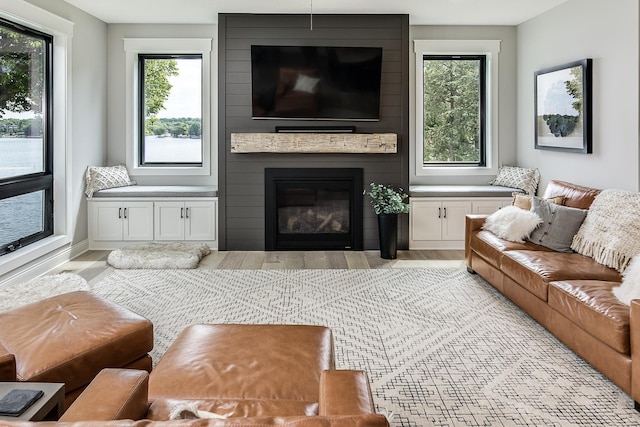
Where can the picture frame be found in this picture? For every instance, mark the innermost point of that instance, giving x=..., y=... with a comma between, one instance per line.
x=563, y=107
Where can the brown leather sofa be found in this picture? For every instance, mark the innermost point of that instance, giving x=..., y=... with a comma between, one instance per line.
x=568, y=293
x=251, y=375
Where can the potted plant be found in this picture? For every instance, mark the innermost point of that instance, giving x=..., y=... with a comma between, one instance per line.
x=387, y=203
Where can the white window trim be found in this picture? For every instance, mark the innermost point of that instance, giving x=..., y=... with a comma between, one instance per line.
x=490, y=48
x=136, y=46
x=61, y=29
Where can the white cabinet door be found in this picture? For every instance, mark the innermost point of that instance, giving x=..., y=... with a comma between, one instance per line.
x=200, y=221
x=169, y=221
x=487, y=207
x=106, y=221
x=453, y=219
x=138, y=221
x=426, y=220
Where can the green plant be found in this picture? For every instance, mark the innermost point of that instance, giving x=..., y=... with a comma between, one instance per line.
x=386, y=199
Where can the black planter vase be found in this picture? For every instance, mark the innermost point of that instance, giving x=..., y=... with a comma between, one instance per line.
x=388, y=233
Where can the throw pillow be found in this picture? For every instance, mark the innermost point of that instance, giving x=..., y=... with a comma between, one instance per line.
x=525, y=179
x=523, y=201
x=99, y=178
x=610, y=234
x=559, y=224
x=630, y=287
x=512, y=223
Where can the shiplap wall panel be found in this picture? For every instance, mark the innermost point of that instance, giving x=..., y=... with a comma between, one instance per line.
x=241, y=178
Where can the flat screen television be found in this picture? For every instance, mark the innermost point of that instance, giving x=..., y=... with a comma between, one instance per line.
x=315, y=83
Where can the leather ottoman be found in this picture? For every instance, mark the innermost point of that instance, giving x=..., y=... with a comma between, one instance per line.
x=69, y=338
x=252, y=370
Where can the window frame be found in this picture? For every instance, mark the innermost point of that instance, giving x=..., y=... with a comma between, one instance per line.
x=482, y=126
x=488, y=48
x=30, y=16
x=162, y=46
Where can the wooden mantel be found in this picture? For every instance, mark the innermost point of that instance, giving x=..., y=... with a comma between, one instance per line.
x=314, y=143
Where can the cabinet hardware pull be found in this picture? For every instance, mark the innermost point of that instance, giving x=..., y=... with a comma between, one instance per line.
x=445, y=212
x=181, y=213
x=439, y=212
x=125, y=213
x=119, y=213
x=187, y=216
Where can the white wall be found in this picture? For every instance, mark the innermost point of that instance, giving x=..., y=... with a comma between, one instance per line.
x=506, y=94
x=116, y=100
x=606, y=31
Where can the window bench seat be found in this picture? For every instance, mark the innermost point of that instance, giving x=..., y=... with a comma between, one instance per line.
x=160, y=191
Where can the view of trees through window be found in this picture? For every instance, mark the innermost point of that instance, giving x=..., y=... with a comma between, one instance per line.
x=454, y=109
x=171, y=109
x=26, y=169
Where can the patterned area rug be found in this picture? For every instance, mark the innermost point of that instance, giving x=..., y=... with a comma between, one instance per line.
x=441, y=346
x=40, y=288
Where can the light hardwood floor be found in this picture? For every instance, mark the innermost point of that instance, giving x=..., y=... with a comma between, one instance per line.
x=92, y=263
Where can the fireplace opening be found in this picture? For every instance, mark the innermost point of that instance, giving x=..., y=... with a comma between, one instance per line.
x=313, y=209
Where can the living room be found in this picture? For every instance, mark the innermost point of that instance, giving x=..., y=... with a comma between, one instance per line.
x=95, y=100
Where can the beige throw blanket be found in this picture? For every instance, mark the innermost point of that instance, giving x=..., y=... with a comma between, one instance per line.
x=610, y=233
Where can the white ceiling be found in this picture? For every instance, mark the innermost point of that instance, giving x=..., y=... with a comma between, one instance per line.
x=421, y=12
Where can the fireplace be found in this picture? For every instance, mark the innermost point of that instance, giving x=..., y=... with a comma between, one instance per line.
x=313, y=209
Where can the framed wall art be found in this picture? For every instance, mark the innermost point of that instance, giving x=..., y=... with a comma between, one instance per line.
x=563, y=107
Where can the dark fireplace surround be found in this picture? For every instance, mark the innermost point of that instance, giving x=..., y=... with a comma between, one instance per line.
x=313, y=209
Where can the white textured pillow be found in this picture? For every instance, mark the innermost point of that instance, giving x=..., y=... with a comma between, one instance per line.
x=630, y=288
x=525, y=179
x=99, y=178
x=512, y=223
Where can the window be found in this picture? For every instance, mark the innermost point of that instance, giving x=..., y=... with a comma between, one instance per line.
x=168, y=106
x=170, y=115
x=456, y=114
x=26, y=143
x=454, y=109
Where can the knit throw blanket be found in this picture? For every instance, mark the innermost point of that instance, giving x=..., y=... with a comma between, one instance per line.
x=610, y=233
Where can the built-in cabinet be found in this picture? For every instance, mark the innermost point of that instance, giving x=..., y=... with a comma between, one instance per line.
x=115, y=223
x=439, y=223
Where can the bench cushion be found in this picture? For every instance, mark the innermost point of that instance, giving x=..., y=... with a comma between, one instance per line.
x=159, y=191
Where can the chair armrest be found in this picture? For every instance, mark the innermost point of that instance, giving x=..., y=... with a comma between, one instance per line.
x=345, y=393
x=634, y=325
x=7, y=365
x=114, y=394
x=473, y=223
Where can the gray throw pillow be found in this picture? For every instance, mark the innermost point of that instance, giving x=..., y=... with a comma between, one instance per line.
x=559, y=224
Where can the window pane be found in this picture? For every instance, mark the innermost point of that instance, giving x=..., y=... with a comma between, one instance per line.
x=172, y=110
x=452, y=110
x=22, y=96
x=21, y=216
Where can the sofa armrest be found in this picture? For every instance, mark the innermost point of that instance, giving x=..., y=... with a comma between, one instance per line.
x=7, y=365
x=114, y=394
x=345, y=393
x=473, y=223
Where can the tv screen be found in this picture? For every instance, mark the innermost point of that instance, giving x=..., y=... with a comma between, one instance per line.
x=315, y=83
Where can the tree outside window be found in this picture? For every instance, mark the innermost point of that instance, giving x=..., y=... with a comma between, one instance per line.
x=454, y=110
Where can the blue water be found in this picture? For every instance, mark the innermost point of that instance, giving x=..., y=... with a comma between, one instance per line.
x=20, y=216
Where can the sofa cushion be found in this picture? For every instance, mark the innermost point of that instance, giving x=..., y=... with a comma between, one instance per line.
x=268, y=362
x=592, y=306
x=490, y=247
x=533, y=270
x=559, y=225
x=575, y=196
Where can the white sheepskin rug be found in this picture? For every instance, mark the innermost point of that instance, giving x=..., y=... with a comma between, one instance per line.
x=12, y=296
x=159, y=256
x=630, y=288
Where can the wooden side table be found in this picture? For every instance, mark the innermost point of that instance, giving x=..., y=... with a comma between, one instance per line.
x=48, y=407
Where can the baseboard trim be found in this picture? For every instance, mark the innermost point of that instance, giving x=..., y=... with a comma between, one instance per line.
x=45, y=263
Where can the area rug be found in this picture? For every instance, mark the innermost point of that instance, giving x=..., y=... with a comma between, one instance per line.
x=40, y=288
x=159, y=256
x=441, y=346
